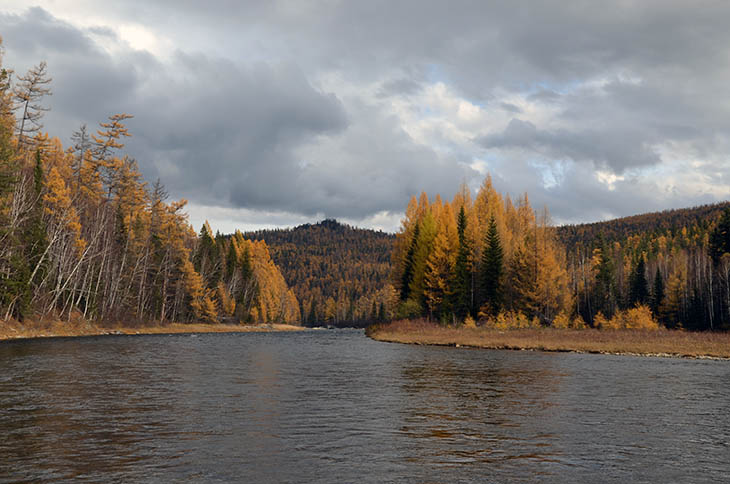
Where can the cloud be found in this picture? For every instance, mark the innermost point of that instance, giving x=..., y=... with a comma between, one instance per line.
x=346, y=109
x=616, y=148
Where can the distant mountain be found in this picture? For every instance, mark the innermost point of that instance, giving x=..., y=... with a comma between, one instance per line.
x=654, y=223
x=339, y=273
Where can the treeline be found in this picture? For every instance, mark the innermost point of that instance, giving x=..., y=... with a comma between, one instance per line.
x=478, y=259
x=340, y=274
x=679, y=266
x=501, y=262
x=82, y=235
x=667, y=222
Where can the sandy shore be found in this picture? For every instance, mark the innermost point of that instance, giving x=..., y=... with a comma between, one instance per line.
x=14, y=330
x=625, y=342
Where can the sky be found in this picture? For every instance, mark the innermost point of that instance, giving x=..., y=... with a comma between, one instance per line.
x=274, y=113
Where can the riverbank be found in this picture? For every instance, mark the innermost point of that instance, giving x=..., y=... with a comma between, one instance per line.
x=631, y=342
x=53, y=329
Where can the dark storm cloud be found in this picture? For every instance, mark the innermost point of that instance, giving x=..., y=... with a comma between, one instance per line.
x=239, y=115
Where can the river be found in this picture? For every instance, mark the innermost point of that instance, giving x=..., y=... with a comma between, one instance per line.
x=335, y=406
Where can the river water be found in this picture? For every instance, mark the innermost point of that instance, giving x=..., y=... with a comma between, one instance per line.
x=334, y=406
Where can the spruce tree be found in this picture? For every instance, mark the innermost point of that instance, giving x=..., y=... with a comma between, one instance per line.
x=657, y=296
x=492, y=269
x=462, y=271
x=381, y=313
x=407, y=276
x=604, y=292
x=720, y=237
x=34, y=236
x=639, y=289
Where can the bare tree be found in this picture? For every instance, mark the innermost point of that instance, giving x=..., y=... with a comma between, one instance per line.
x=28, y=92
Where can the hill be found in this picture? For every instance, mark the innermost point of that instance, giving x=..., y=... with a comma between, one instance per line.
x=667, y=222
x=339, y=273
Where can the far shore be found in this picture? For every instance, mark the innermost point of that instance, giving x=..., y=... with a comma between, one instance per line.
x=667, y=343
x=12, y=330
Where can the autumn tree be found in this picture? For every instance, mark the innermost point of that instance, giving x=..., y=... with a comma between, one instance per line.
x=28, y=92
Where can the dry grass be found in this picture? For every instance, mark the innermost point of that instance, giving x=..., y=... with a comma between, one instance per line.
x=14, y=330
x=635, y=342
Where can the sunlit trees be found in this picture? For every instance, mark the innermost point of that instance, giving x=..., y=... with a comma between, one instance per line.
x=488, y=256
x=82, y=235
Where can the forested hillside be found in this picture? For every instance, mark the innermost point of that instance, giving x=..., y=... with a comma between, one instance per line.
x=340, y=274
x=666, y=222
x=675, y=261
x=501, y=261
x=82, y=235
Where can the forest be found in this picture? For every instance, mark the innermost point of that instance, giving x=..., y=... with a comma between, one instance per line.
x=340, y=274
x=677, y=262
x=82, y=235
x=501, y=262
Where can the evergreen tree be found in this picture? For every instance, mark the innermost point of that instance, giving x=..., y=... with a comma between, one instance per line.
x=462, y=271
x=720, y=237
x=491, y=270
x=34, y=236
x=312, y=317
x=639, y=288
x=604, y=291
x=657, y=296
x=381, y=313
x=408, y=266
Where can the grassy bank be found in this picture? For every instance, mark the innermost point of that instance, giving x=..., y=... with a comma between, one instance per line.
x=14, y=330
x=635, y=342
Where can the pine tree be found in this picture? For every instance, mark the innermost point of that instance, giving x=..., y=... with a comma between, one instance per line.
x=720, y=237
x=657, y=296
x=35, y=238
x=462, y=271
x=407, y=276
x=604, y=291
x=639, y=287
x=491, y=270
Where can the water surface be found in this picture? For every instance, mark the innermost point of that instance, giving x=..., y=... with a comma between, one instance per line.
x=334, y=406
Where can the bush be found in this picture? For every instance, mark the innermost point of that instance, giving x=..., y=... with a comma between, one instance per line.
x=639, y=317
x=409, y=309
x=512, y=320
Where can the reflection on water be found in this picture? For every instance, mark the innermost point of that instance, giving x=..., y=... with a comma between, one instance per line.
x=336, y=407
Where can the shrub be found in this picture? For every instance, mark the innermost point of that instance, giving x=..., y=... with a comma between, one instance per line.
x=639, y=317
x=409, y=309
x=512, y=320
x=561, y=321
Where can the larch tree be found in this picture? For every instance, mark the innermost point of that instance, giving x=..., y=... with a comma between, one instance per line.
x=29, y=90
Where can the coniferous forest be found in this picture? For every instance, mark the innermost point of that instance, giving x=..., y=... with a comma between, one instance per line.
x=502, y=262
x=82, y=235
x=340, y=274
